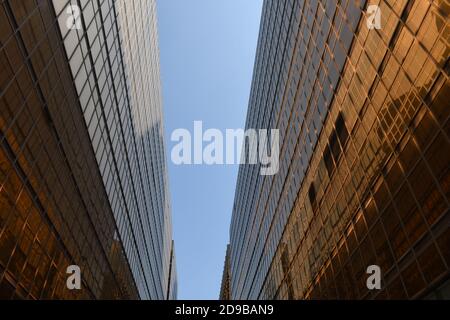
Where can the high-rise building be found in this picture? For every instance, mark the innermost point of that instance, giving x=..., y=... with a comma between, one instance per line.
x=83, y=177
x=172, y=291
x=225, y=293
x=363, y=114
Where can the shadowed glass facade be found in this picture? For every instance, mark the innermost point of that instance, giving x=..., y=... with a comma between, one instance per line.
x=364, y=173
x=83, y=178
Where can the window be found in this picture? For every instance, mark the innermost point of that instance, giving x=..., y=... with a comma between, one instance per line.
x=312, y=197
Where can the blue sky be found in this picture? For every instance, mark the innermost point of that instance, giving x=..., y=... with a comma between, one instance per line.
x=207, y=51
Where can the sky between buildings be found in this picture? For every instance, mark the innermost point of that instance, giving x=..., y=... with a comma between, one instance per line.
x=207, y=52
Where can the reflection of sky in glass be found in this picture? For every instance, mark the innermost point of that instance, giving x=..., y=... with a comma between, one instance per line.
x=138, y=22
x=130, y=152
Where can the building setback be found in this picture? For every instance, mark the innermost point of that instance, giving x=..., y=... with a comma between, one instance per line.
x=83, y=177
x=364, y=173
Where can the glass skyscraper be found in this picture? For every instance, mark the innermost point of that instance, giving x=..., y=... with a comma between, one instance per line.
x=225, y=286
x=364, y=175
x=83, y=177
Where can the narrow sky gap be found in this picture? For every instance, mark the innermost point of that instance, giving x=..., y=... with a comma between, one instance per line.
x=207, y=56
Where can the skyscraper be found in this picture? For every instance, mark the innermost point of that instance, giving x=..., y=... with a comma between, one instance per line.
x=83, y=177
x=225, y=286
x=172, y=291
x=364, y=175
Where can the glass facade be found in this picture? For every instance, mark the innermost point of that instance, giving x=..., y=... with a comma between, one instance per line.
x=83, y=177
x=172, y=292
x=364, y=173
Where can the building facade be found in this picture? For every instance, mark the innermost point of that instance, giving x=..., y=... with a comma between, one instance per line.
x=225, y=293
x=364, y=173
x=83, y=177
x=172, y=291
